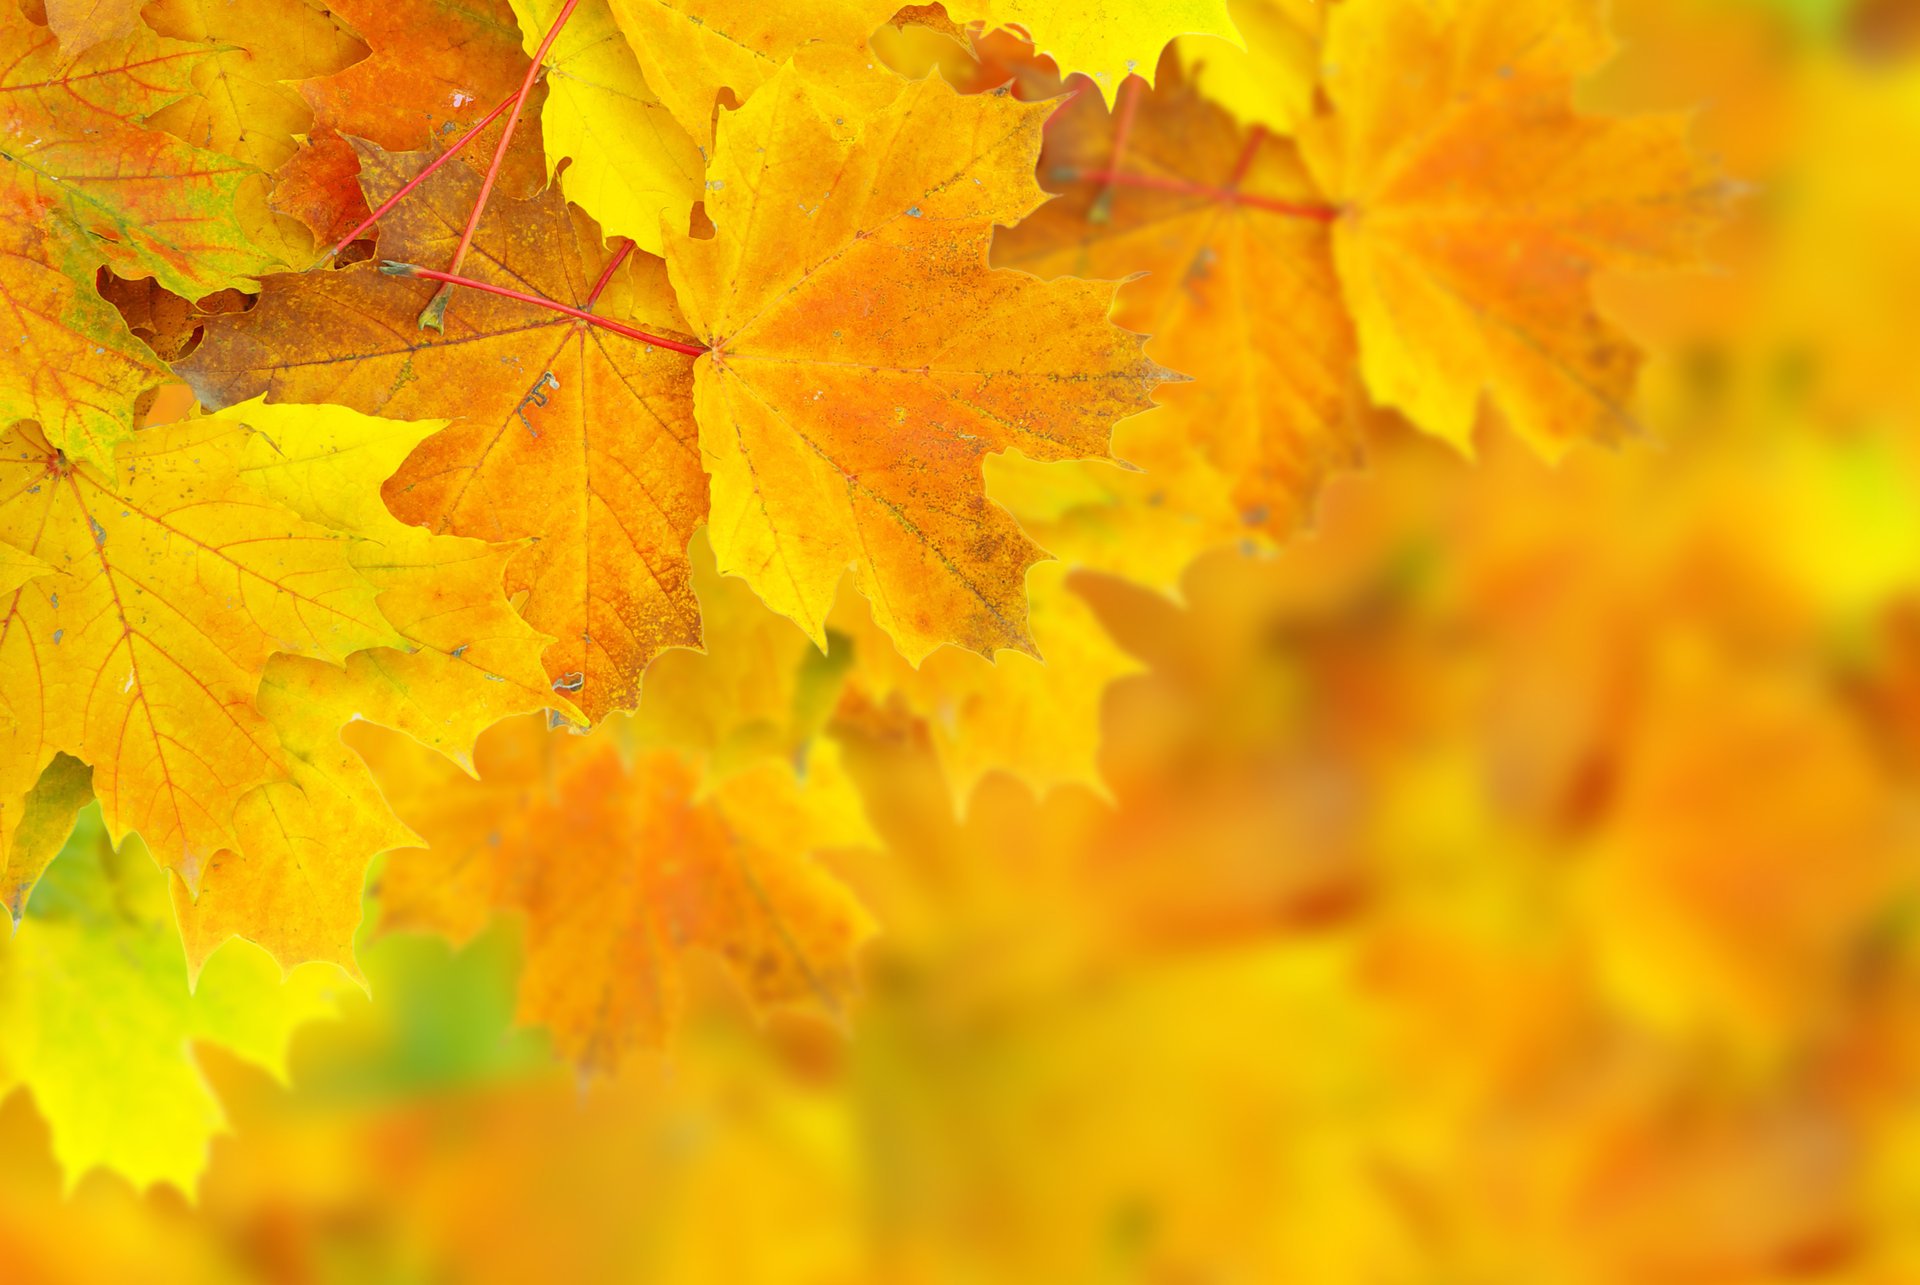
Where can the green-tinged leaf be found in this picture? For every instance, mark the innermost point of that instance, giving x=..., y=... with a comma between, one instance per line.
x=100, y=1023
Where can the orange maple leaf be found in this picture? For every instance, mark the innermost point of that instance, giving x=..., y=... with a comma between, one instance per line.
x=568, y=435
x=434, y=67
x=653, y=867
x=433, y=70
x=1238, y=289
x=864, y=359
x=1479, y=205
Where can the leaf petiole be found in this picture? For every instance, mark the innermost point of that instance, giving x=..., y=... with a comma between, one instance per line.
x=386, y=206
x=1122, y=131
x=393, y=269
x=435, y=312
x=606, y=273
x=1109, y=179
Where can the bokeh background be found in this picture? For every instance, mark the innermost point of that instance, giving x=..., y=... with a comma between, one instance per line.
x=1511, y=881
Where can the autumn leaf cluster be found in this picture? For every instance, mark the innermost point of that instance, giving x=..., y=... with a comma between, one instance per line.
x=512, y=436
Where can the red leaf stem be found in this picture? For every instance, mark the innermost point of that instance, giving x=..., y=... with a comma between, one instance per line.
x=606, y=273
x=436, y=308
x=393, y=269
x=387, y=205
x=1108, y=178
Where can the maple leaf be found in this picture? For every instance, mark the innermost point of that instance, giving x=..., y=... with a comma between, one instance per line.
x=1039, y=721
x=434, y=67
x=565, y=433
x=1271, y=81
x=1478, y=206
x=146, y=202
x=293, y=882
x=691, y=52
x=172, y=584
x=319, y=187
x=101, y=1022
x=466, y=661
x=631, y=162
x=1239, y=290
x=758, y=689
x=243, y=108
x=244, y=105
x=32, y=829
x=1105, y=40
x=435, y=71
x=864, y=359
x=653, y=869
x=82, y=183
x=72, y=366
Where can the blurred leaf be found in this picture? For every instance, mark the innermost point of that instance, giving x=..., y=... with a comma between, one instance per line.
x=100, y=1022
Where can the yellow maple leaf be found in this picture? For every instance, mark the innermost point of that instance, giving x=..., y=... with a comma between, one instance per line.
x=293, y=882
x=173, y=582
x=631, y=164
x=1104, y=40
x=1269, y=83
x=244, y=108
x=101, y=1019
x=466, y=661
x=692, y=52
x=864, y=360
